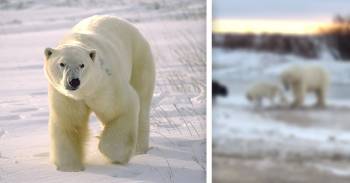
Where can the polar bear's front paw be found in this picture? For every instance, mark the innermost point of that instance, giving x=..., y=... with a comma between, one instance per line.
x=70, y=168
x=119, y=154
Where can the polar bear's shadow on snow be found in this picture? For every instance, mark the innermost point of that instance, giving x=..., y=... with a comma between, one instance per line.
x=141, y=172
x=185, y=151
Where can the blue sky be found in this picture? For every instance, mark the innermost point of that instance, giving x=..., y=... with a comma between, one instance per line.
x=314, y=10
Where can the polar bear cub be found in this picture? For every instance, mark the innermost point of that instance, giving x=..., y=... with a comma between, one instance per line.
x=303, y=79
x=103, y=65
x=265, y=90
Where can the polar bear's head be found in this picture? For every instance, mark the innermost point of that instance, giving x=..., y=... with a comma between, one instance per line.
x=71, y=69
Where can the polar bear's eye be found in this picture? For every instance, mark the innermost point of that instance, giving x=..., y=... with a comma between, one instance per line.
x=82, y=66
x=62, y=64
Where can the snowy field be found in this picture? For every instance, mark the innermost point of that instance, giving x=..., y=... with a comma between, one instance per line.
x=176, y=31
x=278, y=144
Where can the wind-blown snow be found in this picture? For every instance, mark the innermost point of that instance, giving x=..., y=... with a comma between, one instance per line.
x=178, y=129
x=263, y=137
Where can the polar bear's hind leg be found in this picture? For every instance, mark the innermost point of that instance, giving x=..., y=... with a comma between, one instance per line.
x=145, y=93
x=320, y=94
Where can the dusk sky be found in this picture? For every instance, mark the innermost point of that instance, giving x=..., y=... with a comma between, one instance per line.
x=280, y=9
x=300, y=16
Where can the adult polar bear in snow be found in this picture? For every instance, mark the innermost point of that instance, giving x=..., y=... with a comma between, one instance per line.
x=104, y=65
x=303, y=79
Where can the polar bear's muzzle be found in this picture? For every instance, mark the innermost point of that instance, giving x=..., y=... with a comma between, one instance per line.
x=72, y=80
x=73, y=84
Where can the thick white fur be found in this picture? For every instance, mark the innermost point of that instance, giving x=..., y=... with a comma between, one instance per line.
x=303, y=79
x=116, y=84
x=265, y=90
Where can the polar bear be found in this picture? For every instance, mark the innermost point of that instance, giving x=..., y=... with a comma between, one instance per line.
x=303, y=79
x=103, y=65
x=265, y=90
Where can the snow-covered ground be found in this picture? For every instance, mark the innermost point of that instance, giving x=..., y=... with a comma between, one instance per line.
x=176, y=30
x=288, y=139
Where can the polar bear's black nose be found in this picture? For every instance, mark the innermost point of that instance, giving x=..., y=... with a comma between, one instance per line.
x=74, y=83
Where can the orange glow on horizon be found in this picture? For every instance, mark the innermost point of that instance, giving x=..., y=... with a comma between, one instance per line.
x=268, y=26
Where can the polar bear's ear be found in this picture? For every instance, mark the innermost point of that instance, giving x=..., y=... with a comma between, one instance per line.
x=92, y=54
x=48, y=52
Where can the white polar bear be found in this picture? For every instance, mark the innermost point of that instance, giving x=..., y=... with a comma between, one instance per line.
x=265, y=90
x=303, y=79
x=104, y=65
